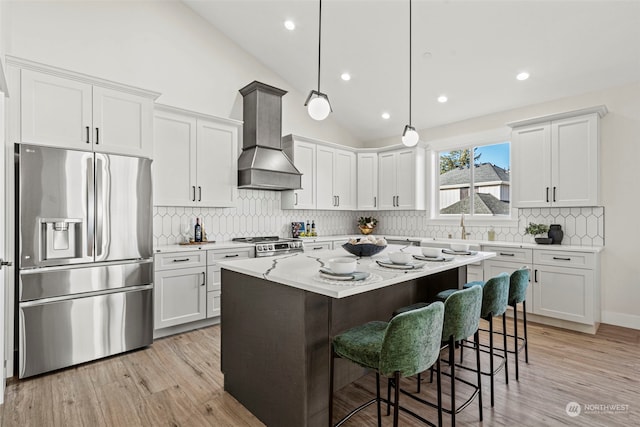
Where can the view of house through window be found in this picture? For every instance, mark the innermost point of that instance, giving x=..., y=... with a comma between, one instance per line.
x=481, y=190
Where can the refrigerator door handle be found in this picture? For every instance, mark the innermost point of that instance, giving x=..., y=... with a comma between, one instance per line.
x=90, y=226
x=49, y=300
x=99, y=215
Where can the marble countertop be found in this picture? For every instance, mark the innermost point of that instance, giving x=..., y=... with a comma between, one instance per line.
x=301, y=270
x=200, y=247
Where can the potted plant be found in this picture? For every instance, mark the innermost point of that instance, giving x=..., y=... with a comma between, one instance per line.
x=538, y=230
x=367, y=224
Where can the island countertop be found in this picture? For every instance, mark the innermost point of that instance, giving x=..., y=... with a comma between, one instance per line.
x=301, y=270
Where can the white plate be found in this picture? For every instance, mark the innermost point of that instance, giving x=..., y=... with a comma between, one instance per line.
x=452, y=252
x=331, y=280
x=355, y=276
x=410, y=266
x=434, y=259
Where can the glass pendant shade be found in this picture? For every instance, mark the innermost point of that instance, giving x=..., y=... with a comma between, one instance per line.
x=318, y=105
x=410, y=137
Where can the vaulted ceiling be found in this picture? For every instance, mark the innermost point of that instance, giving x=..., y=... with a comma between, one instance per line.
x=470, y=51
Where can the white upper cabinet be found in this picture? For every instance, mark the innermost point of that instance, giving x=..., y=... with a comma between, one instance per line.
x=68, y=110
x=555, y=160
x=367, y=181
x=303, y=155
x=195, y=159
x=328, y=175
x=401, y=179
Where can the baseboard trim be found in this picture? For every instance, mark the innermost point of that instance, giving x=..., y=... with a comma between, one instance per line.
x=172, y=330
x=621, y=319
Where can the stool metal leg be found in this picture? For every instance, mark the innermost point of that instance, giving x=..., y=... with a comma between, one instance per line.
x=331, y=366
x=476, y=339
x=378, y=398
x=439, y=386
x=526, y=339
x=515, y=339
x=491, y=355
x=396, y=409
x=452, y=364
x=504, y=342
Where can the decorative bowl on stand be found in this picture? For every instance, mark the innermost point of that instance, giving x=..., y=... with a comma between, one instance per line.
x=363, y=249
x=366, y=230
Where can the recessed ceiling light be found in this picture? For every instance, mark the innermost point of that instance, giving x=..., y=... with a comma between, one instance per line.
x=442, y=99
x=346, y=77
x=522, y=76
x=289, y=25
x=386, y=116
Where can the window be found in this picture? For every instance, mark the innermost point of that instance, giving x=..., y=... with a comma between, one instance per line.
x=479, y=191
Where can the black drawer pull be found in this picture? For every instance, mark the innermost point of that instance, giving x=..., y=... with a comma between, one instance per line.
x=204, y=279
x=561, y=259
x=181, y=260
x=318, y=247
x=231, y=256
x=506, y=254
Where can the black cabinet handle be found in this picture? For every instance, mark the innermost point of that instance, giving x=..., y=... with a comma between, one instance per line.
x=204, y=279
x=231, y=256
x=194, y=193
x=88, y=136
x=338, y=200
x=547, y=194
x=97, y=136
x=317, y=247
x=181, y=260
x=535, y=276
x=296, y=202
x=506, y=254
x=375, y=202
x=554, y=194
x=561, y=258
x=199, y=193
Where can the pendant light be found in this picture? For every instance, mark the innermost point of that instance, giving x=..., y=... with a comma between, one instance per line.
x=410, y=137
x=317, y=103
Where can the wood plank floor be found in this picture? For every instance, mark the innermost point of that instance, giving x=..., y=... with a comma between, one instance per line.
x=177, y=382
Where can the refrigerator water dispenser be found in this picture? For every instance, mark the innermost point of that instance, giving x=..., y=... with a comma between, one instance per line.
x=60, y=238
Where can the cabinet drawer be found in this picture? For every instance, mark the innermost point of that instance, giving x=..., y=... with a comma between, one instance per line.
x=213, y=278
x=228, y=254
x=564, y=259
x=170, y=261
x=317, y=246
x=213, y=304
x=504, y=253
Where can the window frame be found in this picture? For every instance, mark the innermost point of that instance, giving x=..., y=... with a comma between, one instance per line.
x=461, y=142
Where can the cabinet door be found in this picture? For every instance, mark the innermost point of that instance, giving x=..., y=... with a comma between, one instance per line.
x=406, y=179
x=325, y=197
x=179, y=296
x=174, y=159
x=574, y=161
x=344, y=179
x=55, y=111
x=122, y=123
x=367, y=192
x=532, y=166
x=564, y=293
x=216, y=163
x=492, y=268
x=387, y=180
x=305, y=160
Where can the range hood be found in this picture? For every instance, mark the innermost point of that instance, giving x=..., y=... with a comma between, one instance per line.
x=263, y=165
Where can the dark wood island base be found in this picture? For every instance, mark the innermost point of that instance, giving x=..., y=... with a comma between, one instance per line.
x=276, y=340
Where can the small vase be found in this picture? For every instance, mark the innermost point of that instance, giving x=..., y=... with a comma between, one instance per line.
x=366, y=230
x=556, y=234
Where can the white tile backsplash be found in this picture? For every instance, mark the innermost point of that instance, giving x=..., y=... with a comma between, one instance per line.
x=258, y=212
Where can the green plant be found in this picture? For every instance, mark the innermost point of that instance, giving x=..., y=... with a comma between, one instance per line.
x=367, y=221
x=536, y=229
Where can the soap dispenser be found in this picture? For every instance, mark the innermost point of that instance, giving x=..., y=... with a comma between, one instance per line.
x=491, y=234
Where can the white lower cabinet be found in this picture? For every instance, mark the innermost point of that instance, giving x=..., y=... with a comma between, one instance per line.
x=179, y=290
x=563, y=284
x=187, y=284
x=317, y=246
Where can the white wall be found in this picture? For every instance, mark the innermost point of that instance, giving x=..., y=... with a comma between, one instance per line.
x=619, y=154
x=160, y=45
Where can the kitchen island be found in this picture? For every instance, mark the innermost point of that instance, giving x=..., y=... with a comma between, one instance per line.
x=279, y=316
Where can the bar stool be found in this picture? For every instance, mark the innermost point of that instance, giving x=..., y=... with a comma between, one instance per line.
x=406, y=345
x=461, y=320
x=518, y=283
x=495, y=298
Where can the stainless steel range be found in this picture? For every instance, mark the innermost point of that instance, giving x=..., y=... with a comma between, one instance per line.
x=273, y=245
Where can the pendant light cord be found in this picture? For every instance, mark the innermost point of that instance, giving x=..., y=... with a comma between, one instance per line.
x=409, y=62
x=319, y=41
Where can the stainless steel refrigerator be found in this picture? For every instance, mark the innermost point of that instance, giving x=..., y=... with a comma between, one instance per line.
x=84, y=246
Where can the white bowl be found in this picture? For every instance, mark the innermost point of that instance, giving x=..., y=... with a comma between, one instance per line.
x=400, y=257
x=460, y=247
x=342, y=265
x=431, y=252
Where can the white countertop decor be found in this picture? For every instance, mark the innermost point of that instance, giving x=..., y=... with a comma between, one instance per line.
x=301, y=270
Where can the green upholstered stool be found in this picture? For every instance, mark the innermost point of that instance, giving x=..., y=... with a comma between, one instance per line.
x=518, y=283
x=495, y=298
x=461, y=320
x=406, y=345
